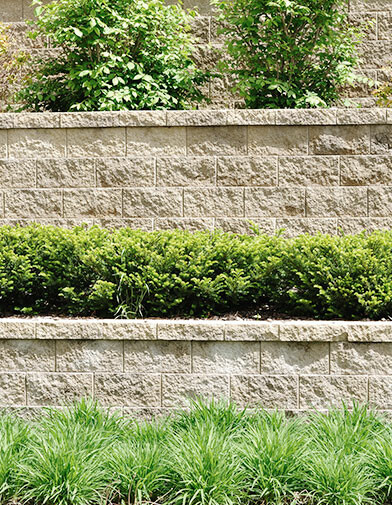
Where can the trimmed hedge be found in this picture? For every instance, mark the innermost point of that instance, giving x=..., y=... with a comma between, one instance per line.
x=128, y=273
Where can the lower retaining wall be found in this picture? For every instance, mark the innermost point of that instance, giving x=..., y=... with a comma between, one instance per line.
x=150, y=367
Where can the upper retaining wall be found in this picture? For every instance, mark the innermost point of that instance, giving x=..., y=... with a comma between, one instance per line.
x=302, y=170
x=153, y=366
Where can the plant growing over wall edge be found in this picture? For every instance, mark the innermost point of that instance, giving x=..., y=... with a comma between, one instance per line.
x=288, y=53
x=113, y=55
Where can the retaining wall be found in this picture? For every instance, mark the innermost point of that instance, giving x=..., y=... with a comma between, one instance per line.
x=376, y=48
x=153, y=366
x=305, y=171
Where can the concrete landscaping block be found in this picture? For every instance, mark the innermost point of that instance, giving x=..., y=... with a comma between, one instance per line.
x=154, y=364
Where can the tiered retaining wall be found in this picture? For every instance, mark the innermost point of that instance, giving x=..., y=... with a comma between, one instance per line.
x=151, y=367
x=305, y=171
x=376, y=47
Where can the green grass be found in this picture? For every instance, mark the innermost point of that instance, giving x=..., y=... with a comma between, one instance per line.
x=214, y=454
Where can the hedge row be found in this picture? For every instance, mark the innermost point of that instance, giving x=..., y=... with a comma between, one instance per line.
x=128, y=273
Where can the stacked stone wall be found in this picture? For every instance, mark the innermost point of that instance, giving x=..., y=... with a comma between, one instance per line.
x=304, y=171
x=153, y=367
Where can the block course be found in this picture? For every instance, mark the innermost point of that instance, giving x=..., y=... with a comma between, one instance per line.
x=147, y=367
x=301, y=170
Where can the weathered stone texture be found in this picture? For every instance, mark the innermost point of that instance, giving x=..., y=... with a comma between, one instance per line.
x=177, y=389
x=272, y=140
x=339, y=139
x=144, y=365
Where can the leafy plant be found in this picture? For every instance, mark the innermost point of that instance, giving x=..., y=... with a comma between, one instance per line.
x=113, y=55
x=288, y=53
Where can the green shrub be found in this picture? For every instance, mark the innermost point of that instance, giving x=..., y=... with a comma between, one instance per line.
x=288, y=53
x=128, y=273
x=113, y=55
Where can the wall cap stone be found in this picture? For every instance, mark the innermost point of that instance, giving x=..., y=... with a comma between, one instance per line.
x=219, y=117
x=195, y=329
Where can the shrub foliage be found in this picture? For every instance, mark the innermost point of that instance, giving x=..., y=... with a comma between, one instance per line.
x=132, y=273
x=288, y=53
x=113, y=55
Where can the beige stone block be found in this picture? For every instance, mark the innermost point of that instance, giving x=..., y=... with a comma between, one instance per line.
x=89, y=356
x=352, y=226
x=152, y=202
x=35, y=143
x=186, y=171
x=196, y=118
x=349, y=358
x=11, y=10
x=247, y=171
x=55, y=173
x=157, y=357
x=273, y=140
x=268, y=392
x=190, y=330
x=309, y=171
x=312, y=226
x=306, y=117
x=95, y=142
x=33, y=203
x=380, y=392
x=336, y=202
x=12, y=389
x=251, y=331
x=159, y=141
x=366, y=170
x=251, y=117
x=37, y=120
x=384, y=25
x=123, y=172
x=375, y=54
x=216, y=140
x=361, y=116
x=63, y=329
x=226, y=357
x=214, y=202
x=372, y=331
x=92, y=202
x=7, y=119
x=17, y=329
x=17, y=174
x=27, y=355
x=283, y=358
x=339, y=139
x=274, y=202
x=381, y=139
x=200, y=29
x=178, y=389
x=322, y=392
x=140, y=118
x=245, y=226
x=128, y=390
x=116, y=223
x=370, y=5
x=313, y=331
x=57, y=388
x=130, y=329
x=185, y=223
x=104, y=119
x=380, y=202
